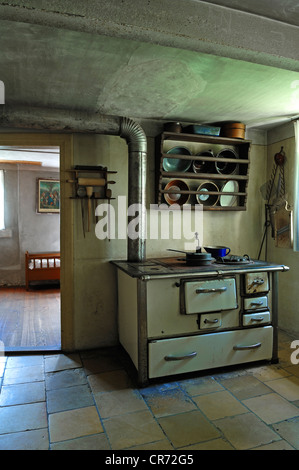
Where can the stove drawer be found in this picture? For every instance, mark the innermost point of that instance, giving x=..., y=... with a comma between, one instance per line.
x=254, y=319
x=227, y=319
x=209, y=296
x=256, y=303
x=256, y=282
x=192, y=353
x=209, y=321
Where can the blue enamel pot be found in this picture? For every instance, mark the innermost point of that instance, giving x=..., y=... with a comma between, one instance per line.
x=217, y=251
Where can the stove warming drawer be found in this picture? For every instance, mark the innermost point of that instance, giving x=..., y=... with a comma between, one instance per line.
x=181, y=355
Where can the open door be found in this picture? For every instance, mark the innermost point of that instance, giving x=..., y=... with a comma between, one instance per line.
x=63, y=145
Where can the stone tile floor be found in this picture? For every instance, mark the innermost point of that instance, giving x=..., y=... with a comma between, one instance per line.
x=90, y=401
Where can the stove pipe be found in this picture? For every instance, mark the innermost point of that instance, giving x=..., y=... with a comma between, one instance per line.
x=137, y=144
x=25, y=117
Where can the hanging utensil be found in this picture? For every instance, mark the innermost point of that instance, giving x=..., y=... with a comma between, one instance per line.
x=283, y=219
x=81, y=193
x=274, y=202
x=89, y=191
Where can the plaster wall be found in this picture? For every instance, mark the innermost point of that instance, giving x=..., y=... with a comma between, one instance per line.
x=288, y=281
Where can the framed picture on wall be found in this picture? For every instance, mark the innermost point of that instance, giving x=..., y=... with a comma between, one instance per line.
x=48, y=195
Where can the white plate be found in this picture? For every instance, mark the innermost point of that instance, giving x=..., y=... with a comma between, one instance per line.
x=229, y=187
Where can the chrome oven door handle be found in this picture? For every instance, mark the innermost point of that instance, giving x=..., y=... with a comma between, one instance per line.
x=240, y=347
x=201, y=290
x=171, y=357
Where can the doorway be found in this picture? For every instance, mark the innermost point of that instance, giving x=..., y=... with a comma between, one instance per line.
x=37, y=319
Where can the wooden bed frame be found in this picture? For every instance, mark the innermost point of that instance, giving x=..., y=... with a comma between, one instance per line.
x=42, y=267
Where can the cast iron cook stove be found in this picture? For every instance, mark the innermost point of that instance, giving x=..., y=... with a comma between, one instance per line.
x=175, y=318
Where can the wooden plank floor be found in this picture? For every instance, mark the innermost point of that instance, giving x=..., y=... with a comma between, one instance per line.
x=30, y=320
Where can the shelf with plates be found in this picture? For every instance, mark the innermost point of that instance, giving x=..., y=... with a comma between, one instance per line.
x=205, y=170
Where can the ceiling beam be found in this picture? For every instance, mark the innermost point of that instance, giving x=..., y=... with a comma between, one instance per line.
x=58, y=120
x=192, y=24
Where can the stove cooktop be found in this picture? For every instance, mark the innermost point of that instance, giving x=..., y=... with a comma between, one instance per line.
x=178, y=266
x=230, y=260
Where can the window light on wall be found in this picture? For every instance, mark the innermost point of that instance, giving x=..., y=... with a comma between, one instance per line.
x=2, y=226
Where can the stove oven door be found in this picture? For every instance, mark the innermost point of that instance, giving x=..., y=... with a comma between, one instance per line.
x=208, y=296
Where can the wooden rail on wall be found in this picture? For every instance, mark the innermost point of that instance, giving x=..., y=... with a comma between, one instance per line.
x=15, y=162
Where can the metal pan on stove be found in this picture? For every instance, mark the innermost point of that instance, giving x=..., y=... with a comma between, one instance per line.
x=196, y=258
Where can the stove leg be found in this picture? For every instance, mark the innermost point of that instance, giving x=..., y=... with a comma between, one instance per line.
x=142, y=334
x=274, y=289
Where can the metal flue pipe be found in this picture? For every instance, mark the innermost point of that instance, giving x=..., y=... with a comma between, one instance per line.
x=137, y=144
x=75, y=121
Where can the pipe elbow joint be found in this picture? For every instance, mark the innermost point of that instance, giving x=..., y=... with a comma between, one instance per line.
x=135, y=136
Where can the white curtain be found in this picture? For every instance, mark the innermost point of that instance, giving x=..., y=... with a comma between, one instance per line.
x=2, y=226
x=296, y=190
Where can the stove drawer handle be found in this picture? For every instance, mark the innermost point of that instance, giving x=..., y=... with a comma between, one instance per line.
x=242, y=348
x=201, y=290
x=170, y=357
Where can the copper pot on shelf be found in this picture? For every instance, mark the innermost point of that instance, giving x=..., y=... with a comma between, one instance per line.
x=173, y=127
x=234, y=130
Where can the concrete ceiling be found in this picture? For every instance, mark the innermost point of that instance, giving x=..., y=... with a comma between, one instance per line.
x=189, y=61
x=286, y=11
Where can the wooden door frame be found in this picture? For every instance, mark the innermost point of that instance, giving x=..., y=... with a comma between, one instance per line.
x=65, y=143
